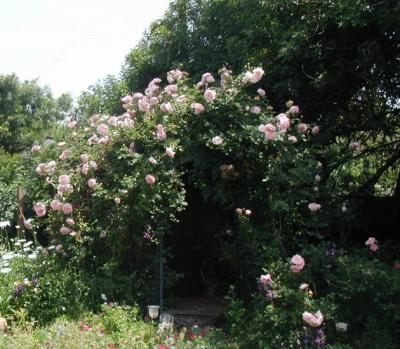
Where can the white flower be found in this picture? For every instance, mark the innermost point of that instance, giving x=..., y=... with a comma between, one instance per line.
x=4, y=224
x=341, y=326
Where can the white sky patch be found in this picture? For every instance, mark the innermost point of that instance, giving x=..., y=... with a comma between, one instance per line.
x=70, y=44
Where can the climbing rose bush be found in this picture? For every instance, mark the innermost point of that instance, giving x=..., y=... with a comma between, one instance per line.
x=113, y=185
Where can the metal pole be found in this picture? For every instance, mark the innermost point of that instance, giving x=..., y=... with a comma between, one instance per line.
x=161, y=275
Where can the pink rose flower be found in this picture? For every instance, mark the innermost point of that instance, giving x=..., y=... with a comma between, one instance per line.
x=284, y=121
x=93, y=140
x=117, y=200
x=294, y=109
x=28, y=224
x=255, y=110
x=302, y=128
x=261, y=92
x=85, y=169
x=217, y=140
x=210, y=95
x=161, y=134
x=370, y=241
x=56, y=205
x=247, y=212
x=170, y=152
x=138, y=95
x=314, y=320
x=197, y=107
x=63, y=179
x=166, y=107
x=35, y=148
x=239, y=211
x=270, y=131
x=292, y=139
x=92, y=183
x=40, y=209
x=171, y=89
x=373, y=247
x=59, y=248
x=67, y=208
x=265, y=279
x=65, y=154
x=41, y=169
x=102, y=129
x=126, y=99
x=355, y=146
x=317, y=178
x=207, y=78
x=152, y=160
x=150, y=179
x=70, y=221
x=297, y=263
x=315, y=130
x=65, y=230
x=314, y=207
x=304, y=287
x=143, y=105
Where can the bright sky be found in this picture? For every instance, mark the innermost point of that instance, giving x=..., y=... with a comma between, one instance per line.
x=70, y=44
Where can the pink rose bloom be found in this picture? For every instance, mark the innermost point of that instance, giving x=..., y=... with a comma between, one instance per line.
x=143, y=105
x=102, y=129
x=270, y=131
x=35, y=148
x=317, y=178
x=67, y=208
x=40, y=209
x=28, y=224
x=254, y=76
x=84, y=158
x=197, y=107
x=152, y=160
x=166, y=107
x=261, y=92
x=150, y=179
x=314, y=207
x=302, y=128
x=292, y=139
x=59, y=248
x=95, y=118
x=161, y=134
x=170, y=152
x=104, y=140
x=56, y=205
x=217, y=140
x=70, y=221
x=207, y=78
x=171, y=89
x=262, y=128
x=297, y=263
x=315, y=130
x=255, y=110
x=265, y=279
x=373, y=247
x=239, y=211
x=173, y=75
x=138, y=95
x=294, y=109
x=65, y=154
x=85, y=169
x=65, y=230
x=370, y=241
x=247, y=212
x=41, y=169
x=284, y=121
x=117, y=200
x=93, y=165
x=210, y=95
x=126, y=99
x=93, y=140
x=64, y=188
x=63, y=179
x=314, y=320
x=153, y=101
x=112, y=120
x=91, y=183
x=304, y=287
